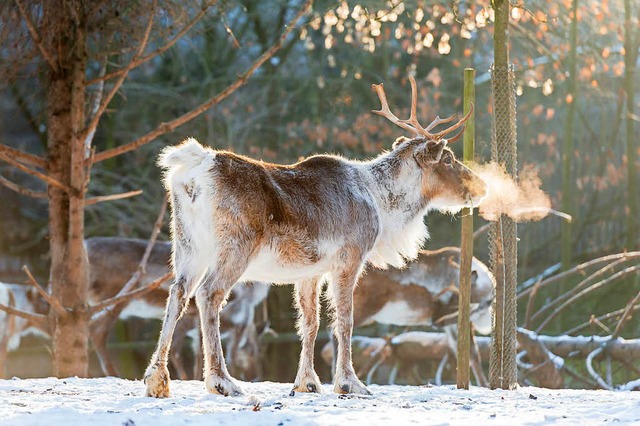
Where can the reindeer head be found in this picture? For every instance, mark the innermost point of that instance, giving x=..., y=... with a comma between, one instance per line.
x=446, y=182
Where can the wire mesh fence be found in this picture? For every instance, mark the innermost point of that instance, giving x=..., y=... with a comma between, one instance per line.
x=503, y=236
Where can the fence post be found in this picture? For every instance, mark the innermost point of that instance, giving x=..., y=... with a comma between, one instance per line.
x=466, y=244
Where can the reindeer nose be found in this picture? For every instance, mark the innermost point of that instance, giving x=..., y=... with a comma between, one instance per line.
x=476, y=186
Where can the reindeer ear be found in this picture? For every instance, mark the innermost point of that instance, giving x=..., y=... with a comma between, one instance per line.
x=398, y=141
x=431, y=151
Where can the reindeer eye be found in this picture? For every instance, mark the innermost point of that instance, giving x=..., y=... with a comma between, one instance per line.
x=447, y=160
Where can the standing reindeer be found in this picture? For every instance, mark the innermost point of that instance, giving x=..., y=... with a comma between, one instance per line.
x=237, y=219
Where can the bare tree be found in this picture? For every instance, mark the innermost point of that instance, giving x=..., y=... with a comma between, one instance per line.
x=83, y=52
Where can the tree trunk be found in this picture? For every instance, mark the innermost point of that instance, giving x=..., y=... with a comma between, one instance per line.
x=630, y=57
x=567, y=152
x=66, y=163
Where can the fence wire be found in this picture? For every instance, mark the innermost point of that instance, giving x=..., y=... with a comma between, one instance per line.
x=503, y=236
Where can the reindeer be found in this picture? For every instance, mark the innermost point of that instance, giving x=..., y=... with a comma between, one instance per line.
x=24, y=298
x=113, y=260
x=237, y=219
x=425, y=294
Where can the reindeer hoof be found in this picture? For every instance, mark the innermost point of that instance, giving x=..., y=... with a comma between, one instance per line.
x=223, y=386
x=308, y=383
x=156, y=379
x=351, y=387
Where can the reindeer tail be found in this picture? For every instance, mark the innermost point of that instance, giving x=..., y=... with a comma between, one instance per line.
x=188, y=154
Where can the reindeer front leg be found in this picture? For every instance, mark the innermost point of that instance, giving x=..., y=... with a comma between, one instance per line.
x=307, y=303
x=342, y=286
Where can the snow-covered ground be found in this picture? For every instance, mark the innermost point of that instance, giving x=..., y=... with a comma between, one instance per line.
x=112, y=401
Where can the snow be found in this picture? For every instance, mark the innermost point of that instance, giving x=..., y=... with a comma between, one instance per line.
x=113, y=401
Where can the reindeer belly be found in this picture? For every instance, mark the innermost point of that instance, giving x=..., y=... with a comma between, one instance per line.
x=399, y=312
x=269, y=266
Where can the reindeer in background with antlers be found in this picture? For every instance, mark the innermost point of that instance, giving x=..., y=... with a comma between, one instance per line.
x=236, y=219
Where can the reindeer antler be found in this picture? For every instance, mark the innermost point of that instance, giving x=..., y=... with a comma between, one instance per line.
x=412, y=123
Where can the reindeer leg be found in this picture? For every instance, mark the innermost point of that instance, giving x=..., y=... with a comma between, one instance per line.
x=156, y=377
x=216, y=376
x=99, y=336
x=308, y=305
x=476, y=361
x=177, y=346
x=210, y=298
x=343, y=285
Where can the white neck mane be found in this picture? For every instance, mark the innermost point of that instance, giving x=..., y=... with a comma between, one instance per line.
x=401, y=208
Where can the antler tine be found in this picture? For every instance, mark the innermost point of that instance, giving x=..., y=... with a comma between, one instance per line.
x=386, y=112
x=455, y=126
x=438, y=121
x=413, y=119
x=456, y=137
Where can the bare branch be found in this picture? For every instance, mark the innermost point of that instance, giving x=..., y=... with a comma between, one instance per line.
x=21, y=190
x=128, y=296
x=626, y=315
x=51, y=299
x=599, y=284
x=93, y=124
x=139, y=61
x=241, y=80
x=579, y=269
x=38, y=319
x=601, y=318
x=135, y=278
x=553, y=303
x=23, y=157
x=51, y=181
x=36, y=37
x=95, y=200
x=157, y=226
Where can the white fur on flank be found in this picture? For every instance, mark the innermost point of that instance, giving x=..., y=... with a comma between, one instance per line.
x=139, y=308
x=18, y=293
x=398, y=312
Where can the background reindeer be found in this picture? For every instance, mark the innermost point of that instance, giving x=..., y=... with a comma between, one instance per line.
x=12, y=328
x=113, y=260
x=236, y=219
x=424, y=292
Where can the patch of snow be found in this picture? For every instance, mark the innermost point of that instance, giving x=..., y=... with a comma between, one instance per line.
x=113, y=401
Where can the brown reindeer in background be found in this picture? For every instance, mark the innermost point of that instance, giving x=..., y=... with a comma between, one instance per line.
x=424, y=292
x=112, y=260
x=237, y=219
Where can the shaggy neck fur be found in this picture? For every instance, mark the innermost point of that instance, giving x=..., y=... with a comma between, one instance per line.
x=395, y=183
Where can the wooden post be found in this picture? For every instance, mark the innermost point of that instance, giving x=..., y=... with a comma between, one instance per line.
x=466, y=243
